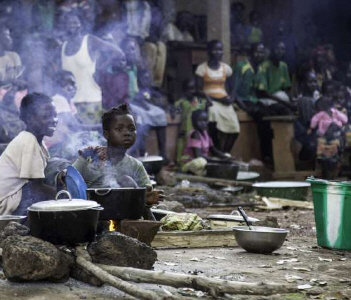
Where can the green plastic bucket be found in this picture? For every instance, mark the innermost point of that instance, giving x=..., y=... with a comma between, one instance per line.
x=332, y=208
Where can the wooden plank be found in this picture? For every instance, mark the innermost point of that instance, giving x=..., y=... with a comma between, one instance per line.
x=194, y=239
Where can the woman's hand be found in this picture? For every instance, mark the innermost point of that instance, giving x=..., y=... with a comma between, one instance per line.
x=153, y=196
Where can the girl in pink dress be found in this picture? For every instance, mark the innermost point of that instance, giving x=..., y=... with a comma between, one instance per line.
x=199, y=146
x=328, y=122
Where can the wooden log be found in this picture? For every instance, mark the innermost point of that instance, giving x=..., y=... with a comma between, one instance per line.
x=126, y=287
x=214, y=286
x=194, y=178
x=84, y=261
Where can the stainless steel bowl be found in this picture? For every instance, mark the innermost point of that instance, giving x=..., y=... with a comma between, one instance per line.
x=260, y=239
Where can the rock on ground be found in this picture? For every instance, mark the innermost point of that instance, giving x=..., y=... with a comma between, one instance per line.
x=26, y=258
x=13, y=228
x=114, y=248
x=172, y=206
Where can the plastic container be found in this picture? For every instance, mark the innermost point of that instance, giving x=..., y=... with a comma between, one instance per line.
x=332, y=206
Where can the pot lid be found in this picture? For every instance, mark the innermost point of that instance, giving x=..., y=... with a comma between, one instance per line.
x=63, y=204
x=231, y=218
x=150, y=158
x=282, y=184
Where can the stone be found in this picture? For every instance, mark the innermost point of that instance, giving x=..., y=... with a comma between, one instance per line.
x=13, y=228
x=166, y=178
x=171, y=206
x=117, y=249
x=26, y=258
x=270, y=221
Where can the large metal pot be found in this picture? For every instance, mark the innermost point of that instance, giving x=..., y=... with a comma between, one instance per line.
x=221, y=170
x=152, y=164
x=119, y=203
x=64, y=222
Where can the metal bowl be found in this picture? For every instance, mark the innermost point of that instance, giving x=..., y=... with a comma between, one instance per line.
x=260, y=239
x=293, y=190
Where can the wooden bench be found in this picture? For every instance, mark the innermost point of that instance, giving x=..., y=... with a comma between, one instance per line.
x=283, y=152
x=246, y=147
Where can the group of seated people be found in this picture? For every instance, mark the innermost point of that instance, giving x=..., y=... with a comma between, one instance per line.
x=102, y=102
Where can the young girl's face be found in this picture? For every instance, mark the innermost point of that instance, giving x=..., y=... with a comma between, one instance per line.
x=190, y=90
x=201, y=122
x=216, y=52
x=311, y=82
x=122, y=132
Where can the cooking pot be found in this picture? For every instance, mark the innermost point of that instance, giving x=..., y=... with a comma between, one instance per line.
x=224, y=171
x=67, y=221
x=119, y=203
x=152, y=164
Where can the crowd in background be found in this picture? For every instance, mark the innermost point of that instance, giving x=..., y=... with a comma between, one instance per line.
x=91, y=56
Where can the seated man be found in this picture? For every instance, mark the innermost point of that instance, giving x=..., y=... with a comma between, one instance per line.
x=273, y=83
x=23, y=162
x=245, y=77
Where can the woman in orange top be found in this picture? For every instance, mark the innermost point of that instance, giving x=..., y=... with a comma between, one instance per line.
x=212, y=77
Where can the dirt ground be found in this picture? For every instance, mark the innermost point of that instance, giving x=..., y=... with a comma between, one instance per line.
x=325, y=270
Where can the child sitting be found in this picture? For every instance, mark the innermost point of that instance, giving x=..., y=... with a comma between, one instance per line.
x=199, y=146
x=186, y=106
x=110, y=166
x=328, y=122
x=150, y=116
x=23, y=162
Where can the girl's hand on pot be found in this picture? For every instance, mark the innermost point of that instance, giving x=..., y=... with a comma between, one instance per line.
x=154, y=196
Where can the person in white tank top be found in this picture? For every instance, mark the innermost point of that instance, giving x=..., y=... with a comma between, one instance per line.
x=80, y=55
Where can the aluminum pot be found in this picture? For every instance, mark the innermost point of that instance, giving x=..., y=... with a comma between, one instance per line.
x=221, y=170
x=152, y=164
x=64, y=222
x=119, y=203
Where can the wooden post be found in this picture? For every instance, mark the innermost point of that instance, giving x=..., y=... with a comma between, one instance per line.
x=218, y=27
